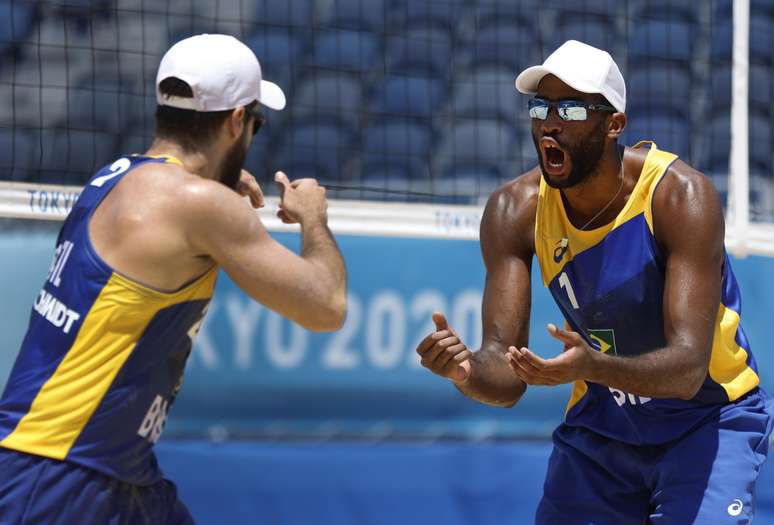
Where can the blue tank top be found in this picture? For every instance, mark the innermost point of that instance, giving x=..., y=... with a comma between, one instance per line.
x=103, y=357
x=609, y=284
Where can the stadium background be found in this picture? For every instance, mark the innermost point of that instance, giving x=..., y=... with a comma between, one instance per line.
x=413, y=101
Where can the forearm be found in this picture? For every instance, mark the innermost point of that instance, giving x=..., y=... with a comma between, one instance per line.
x=319, y=248
x=491, y=380
x=668, y=372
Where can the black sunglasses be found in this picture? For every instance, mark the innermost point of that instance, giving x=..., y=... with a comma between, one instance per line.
x=258, y=118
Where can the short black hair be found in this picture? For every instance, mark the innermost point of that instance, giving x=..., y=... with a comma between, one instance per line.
x=192, y=130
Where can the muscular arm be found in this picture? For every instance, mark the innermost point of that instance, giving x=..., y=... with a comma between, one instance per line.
x=688, y=223
x=309, y=289
x=507, y=246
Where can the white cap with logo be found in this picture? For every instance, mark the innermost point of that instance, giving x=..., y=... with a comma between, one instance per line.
x=582, y=67
x=223, y=74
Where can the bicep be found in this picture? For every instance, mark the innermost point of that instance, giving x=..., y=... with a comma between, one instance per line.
x=694, y=264
x=507, y=249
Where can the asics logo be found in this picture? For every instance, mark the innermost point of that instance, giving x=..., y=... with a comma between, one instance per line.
x=735, y=509
x=561, y=249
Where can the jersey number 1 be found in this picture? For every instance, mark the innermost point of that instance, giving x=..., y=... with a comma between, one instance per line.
x=564, y=282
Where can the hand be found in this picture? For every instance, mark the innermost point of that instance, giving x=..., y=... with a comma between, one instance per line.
x=301, y=200
x=443, y=353
x=248, y=187
x=574, y=363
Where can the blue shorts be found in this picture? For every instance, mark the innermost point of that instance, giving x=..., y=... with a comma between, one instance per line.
x=707, y=477
x=43, y=491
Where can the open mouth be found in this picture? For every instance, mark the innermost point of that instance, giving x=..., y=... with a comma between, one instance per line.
x=554, y=157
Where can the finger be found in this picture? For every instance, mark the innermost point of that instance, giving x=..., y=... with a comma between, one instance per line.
x=444, y=363
x=256, y=194
x=282, y=182
x=526, y=364
x=571, y=338
x=535, y=361
x=440, y=321
x=284, y=217
x=308, y=181
x=462, y=372
x=456, y=360
x=430, y=340
x=520, y=372
x=439, y=347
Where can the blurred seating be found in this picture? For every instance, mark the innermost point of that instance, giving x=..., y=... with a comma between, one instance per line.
x=670, y=131
x=510, y=42
x=346, y=49
x=298, y=13
x=409, y=95
x=335, y=95
x=354, y=14
x=17, y=147
x=420, y=50
x=436, y=14
x=488, y=93
x=654, y=84
x=397, y=147
x=17, y=20
x=314, y=148
x=71, y=156
x=760, y=143
x=598, y=30
x=279, y=51
x=663, y=40
x=483, y=146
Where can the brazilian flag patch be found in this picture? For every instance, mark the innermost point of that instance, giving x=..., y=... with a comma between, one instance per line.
x=604, y=340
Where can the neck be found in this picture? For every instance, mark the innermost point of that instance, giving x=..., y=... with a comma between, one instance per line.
x=196, y=162
x=601, y=188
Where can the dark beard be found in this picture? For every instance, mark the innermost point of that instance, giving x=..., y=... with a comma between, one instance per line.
x=585, y=157
x=233, y=164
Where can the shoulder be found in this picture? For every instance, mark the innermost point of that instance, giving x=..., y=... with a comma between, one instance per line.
x=684, y=188
x=187, y=200
x=510, y=212
x=687, y=197
x=517, y=197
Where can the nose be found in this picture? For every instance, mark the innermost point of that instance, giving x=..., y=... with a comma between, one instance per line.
x=552, y=124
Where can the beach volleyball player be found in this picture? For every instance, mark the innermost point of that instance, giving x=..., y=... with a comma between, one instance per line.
x=667, y=424
x=133, y=271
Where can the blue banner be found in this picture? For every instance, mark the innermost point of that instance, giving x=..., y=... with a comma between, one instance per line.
x=254, y=373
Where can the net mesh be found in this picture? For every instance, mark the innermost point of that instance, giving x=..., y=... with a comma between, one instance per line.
x=405, y=100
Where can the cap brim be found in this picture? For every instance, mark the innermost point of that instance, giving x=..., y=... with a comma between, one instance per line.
x=272, y=95
x=528, y=80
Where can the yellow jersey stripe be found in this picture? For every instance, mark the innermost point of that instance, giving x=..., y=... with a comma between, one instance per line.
x=109, y=334
x=728, y=357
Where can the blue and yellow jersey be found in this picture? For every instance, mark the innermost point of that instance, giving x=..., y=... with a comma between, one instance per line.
x=103, y=356
x=609, y=284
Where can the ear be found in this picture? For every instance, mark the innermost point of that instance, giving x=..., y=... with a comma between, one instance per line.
x=616, y=125
x=236, y=122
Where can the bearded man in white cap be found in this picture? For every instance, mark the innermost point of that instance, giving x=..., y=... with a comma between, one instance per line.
x=133, y=272
x=666, y=424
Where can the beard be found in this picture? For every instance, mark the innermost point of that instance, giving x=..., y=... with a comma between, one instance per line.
x=585, y=157
x=234, y=161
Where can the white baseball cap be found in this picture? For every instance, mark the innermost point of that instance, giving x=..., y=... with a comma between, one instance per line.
x=222, y=72
x=582, y=67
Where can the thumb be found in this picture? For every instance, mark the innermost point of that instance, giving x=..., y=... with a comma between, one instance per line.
x=282, y=182
x=462, y=372
x=568, y=338
x=440, y=321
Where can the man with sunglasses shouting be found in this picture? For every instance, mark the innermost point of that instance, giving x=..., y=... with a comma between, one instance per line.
x=132, y=275
x=666, y=424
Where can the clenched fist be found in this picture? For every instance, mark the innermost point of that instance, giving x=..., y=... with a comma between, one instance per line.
x=443, y=353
